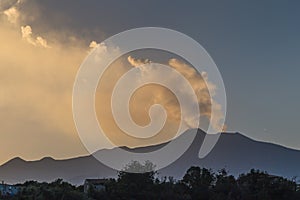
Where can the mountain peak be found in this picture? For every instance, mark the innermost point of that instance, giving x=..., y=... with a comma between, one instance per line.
x=16, y=160
x=233, y=151
x=47, y=158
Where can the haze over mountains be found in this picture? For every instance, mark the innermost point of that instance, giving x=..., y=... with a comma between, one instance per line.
x=235, y=152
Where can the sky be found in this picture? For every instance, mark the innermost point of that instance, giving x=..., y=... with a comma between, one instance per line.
x=43, y=43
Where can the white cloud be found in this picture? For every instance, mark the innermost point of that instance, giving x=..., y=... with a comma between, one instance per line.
x=12, y=15
x=137, y=62
x=93, y=44
x=27, y=35
x=41, y=41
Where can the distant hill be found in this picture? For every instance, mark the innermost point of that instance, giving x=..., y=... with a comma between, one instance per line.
x=235, y=152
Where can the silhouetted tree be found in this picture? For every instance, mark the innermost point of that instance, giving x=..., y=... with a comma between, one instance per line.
x=139, y=185
x=226, y=187
x=199, y=181
x=260, y=185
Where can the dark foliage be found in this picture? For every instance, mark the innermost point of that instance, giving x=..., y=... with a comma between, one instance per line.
x=58, y=189
x=197, y=183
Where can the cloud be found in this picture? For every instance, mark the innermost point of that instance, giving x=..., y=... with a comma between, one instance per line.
x=36, y=95
x=148, y=95
x=7, y=4
x=36, y=90
x=93, y=44
x=12, y=15
x=27, y=35
x=36, y=84
x=10, y=9
x=199, y=83
x=41, y=41
x=137, y=62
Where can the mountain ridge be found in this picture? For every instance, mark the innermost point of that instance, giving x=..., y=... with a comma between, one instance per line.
x=233, y=151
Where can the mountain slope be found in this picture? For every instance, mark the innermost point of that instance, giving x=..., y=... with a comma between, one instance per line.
x=239, y=154
x=235, y=152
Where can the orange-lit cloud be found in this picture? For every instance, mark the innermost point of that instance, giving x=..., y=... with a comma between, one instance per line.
x=37, y=73
x=27, y=35
x=93, y=44
x=200, y=85
x=137, y=62
x=36, y=94
x=12, y=15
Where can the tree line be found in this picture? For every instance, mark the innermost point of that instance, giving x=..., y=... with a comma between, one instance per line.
x=197, y=183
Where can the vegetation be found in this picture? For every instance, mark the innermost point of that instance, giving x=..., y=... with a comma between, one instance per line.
x=58, y=189
x=197, y=183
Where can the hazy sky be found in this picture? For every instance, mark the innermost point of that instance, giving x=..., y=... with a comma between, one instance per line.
x=43, y=42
